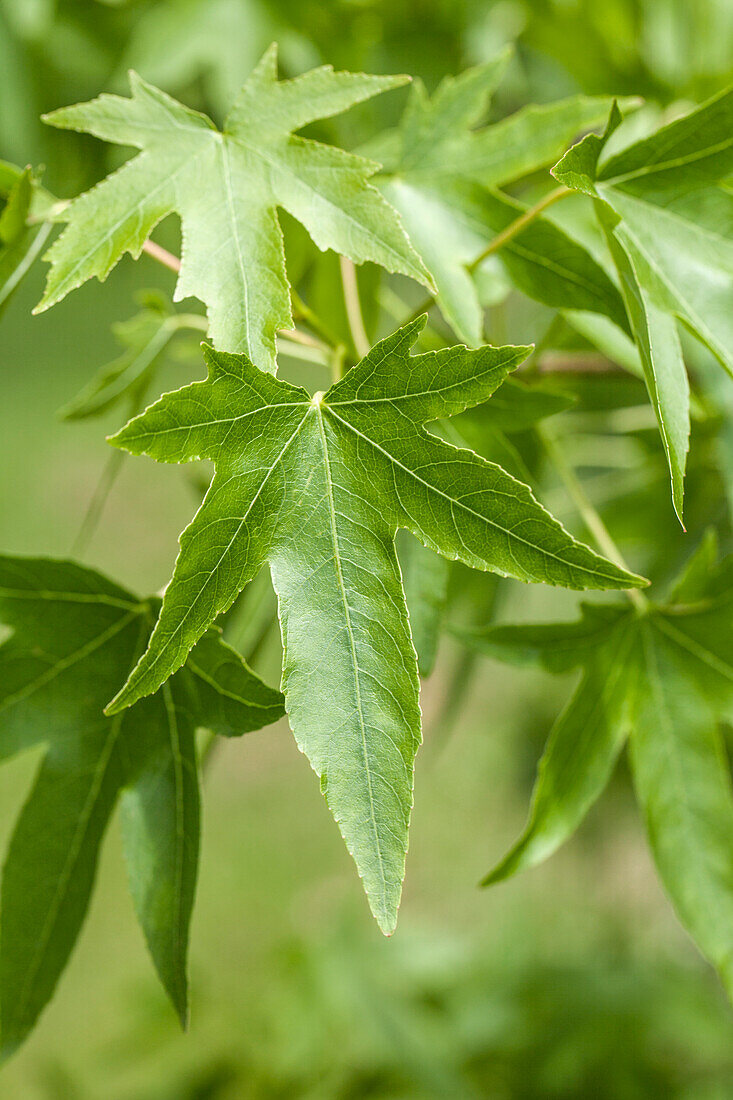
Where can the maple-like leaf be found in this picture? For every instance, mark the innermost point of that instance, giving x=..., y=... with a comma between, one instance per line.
x=226, y=186
x=668, y=226
x=317, y=486
x=75, y=635
x=443, y=176
x=663, y=679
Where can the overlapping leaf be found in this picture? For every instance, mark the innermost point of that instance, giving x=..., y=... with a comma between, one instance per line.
x=669, y=226
x=226, y=186
x=443, y=176
x=318, y=486
x=663, y=678
x=76, y=635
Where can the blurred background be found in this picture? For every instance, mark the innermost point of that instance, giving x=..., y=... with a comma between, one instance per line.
x=575, y=980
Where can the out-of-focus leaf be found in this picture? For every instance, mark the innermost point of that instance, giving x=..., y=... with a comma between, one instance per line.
x=216, y=40
x=20, y=243
x=662, y=676
x=146, y=337
x=443, y=176
x=425, y=581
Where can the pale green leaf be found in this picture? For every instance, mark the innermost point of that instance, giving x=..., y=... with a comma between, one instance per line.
x=226, y=187
x=442, y=172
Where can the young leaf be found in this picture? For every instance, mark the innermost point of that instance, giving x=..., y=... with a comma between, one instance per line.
x=226, y=187
x=318, y=486
x=667, y=225
x=442, y=173
x=75, y=635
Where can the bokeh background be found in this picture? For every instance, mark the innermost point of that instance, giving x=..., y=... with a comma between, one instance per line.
x=575, y=980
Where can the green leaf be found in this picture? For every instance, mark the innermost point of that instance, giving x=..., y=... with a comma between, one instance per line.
x=145, y=337
x=318, y=486
x=515, y=407
x=76, y=634
x=661, y=357
x=664, y=678
x=443, y=179
x=668, y=227
x=682, y=775
x=226, y=187
x=581, y=750
x=425, y=581
x=20, y=243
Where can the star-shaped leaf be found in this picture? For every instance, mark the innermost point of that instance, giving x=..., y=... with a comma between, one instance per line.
x=668, y=226
x=76, y=634
x=317, y=486
x=443, y=176
x=226, y=186
x=664, y=679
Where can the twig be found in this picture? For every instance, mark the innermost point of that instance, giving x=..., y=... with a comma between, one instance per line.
x=353, y=307
x=162, y=255
x=519, y=224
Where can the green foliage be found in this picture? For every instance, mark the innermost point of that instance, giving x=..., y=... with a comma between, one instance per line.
x=358, y=498
x=443, y=179
x=20, y=243
x=75, y=636
x=146, y=338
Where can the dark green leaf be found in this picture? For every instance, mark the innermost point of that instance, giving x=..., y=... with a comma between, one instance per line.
x=76, y=634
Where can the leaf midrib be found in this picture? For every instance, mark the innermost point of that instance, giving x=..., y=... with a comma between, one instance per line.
x=352, y=646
